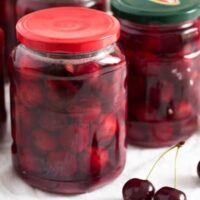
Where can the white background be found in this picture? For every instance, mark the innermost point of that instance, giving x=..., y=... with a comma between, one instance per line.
x=139, y=162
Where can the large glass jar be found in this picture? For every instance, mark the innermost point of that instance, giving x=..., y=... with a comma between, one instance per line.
x=2, y=100
x=24, y=7
x=68, y=100
x=162, y=46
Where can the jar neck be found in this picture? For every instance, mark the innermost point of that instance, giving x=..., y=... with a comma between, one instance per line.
x=161, y=27
x=73, y=57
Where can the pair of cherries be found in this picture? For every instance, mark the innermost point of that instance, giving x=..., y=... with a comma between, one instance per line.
x=138, y=189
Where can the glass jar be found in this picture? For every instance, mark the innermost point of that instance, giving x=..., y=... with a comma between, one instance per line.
x=68, y=100
x=24, y=7
x=2, y=100
x=7, y=23
x=162, y=47
x=2, y=13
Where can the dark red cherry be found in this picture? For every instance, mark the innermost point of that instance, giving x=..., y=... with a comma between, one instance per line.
x=75, y=138
x=198, y=169
x=30, y=162
x=146, y=63
x=43, y=141
x=182, y=110
x=163, y=131
x=137, y=189
x=87, y=68
x=62, y=164
x=167, y=193
x=94, y=161
x=30, y=94
x=27, y=66
x=107, y=128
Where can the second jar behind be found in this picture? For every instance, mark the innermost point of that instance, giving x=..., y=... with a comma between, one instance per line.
x=162, y=41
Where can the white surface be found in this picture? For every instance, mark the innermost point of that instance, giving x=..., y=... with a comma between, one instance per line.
x=139, y=162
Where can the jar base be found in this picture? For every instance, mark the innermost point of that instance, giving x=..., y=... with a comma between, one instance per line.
x=62, y=187
x=163, y=134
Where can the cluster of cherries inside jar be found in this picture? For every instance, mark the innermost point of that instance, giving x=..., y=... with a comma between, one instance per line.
x=163, y=84
x=81, y=139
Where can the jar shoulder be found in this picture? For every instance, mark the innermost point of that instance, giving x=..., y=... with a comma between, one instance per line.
x=104, y=59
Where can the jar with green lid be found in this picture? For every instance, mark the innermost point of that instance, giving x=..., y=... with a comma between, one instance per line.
x=161, y=39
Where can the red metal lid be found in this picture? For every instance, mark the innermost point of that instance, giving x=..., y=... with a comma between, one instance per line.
x=68, y=29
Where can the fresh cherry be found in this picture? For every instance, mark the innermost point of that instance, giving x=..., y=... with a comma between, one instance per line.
x=167, y=193
x=137, y=189
x=198, y=169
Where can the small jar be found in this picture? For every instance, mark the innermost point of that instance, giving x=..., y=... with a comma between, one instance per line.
x=2, y=98
x=24, y=7
x=161, y=40
x=68, y=100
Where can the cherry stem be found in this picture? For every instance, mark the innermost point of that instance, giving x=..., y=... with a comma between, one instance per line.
x=180, y=144
x=175, y=163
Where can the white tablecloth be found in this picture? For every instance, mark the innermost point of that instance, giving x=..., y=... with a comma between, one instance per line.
x=139, y=162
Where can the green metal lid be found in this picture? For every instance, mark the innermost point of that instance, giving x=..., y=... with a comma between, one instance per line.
x=156, y=11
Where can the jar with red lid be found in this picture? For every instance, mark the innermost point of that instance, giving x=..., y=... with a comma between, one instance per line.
x=2, y=100
x=161, y=40
x=24, y=7
x=68, y=100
